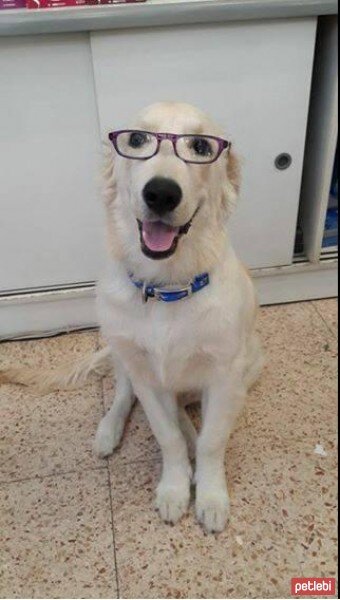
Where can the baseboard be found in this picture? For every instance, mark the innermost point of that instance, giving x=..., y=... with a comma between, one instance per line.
x=296, y=283
x=45, y=313
x=42, y=314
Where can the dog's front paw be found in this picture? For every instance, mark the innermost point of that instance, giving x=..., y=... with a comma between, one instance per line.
x=108, y=436
x=212, y=509
x=172, y=499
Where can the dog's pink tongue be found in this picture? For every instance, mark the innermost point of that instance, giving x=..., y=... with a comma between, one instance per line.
x=158, y=236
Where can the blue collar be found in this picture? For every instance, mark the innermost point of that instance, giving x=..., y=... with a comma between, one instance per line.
x=172, y=295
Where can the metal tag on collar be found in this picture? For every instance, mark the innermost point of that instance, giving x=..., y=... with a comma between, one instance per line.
x=145, y=294
x=189, y=288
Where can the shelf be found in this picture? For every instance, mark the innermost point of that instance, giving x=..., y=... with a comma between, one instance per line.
x=156, y=13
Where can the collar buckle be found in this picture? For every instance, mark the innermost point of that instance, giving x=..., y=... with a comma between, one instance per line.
x=145, y=294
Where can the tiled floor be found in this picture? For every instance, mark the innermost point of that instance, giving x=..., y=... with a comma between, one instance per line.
x=72, y=526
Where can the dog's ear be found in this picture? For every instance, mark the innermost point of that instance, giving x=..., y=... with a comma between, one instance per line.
x=232, y=183
x=108, y=174
x=234, y=170
x=109, y=183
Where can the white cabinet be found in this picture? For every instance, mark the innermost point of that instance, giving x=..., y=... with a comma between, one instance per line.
x=50, y=214
x=254, y=78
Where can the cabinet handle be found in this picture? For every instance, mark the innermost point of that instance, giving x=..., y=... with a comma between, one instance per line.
x=283, y=161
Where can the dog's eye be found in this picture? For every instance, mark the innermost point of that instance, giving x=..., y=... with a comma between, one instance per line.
x=201, y=146
x=138, y=139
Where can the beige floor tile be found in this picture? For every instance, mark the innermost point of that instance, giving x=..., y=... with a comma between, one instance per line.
x=328, y=309
x=297, y=394
x=57, y=538
x=44, y=435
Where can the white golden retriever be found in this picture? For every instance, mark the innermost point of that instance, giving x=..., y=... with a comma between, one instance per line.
x=175, y=305
x=204, y=342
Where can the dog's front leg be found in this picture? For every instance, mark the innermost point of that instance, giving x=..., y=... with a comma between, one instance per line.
x=173, y=491
x=111, y=427
x=222, y=403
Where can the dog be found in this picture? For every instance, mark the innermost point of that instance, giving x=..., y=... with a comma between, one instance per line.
x=166, y=225
x=175, y=305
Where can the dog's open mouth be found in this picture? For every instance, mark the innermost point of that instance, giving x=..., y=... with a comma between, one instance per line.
x=159, y=240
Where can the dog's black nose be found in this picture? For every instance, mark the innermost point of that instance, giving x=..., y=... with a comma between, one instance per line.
x=162, y=195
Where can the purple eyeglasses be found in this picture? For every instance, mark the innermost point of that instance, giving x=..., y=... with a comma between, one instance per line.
x=143, y=145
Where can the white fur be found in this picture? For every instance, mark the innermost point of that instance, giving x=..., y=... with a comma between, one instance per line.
x=206, y=343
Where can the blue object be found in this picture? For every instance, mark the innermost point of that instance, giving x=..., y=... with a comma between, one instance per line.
x=331, y=228
x=166, y=295
x=335, y=179
x=332, y=217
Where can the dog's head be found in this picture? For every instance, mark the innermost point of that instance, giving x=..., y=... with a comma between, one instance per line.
x=165, y=193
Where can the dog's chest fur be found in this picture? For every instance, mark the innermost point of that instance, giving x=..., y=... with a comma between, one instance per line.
x=178, y=346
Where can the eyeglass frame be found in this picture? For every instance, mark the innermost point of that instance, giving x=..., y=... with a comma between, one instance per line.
x=172, y=137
